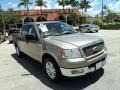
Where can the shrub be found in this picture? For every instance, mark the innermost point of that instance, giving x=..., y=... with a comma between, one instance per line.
x=104, y=25
x=82, y=20
x=111, y=26
x=98, y=22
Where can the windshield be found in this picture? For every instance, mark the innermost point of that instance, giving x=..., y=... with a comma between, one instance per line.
x=55, y=28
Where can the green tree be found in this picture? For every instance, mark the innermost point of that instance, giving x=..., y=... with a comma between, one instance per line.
x=74, y=4
x=74, y=17
x=2, y=19
x=41, y=3
x=63, y=3
x=26, y=4
x=84, y=5
x=10, y=18
x=103, y=7
x=105, y=11
x=81, y=6
x=110, y=16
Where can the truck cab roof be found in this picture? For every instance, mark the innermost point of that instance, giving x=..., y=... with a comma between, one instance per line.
x=41, y=22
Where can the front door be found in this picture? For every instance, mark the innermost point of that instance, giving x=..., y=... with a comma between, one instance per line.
x=34, y=46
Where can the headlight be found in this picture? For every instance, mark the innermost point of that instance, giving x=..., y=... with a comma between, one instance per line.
x=70, y=53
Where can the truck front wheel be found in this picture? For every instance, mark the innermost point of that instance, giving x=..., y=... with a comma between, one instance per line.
x=52, y=69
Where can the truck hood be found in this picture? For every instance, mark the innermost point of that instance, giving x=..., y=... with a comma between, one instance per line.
x=78, y=39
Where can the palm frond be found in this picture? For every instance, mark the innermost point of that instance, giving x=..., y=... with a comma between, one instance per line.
x=21, y=4
x=41, y=3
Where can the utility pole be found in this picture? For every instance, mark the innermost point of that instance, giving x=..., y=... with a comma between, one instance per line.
x=102, y=10
x=3, y=22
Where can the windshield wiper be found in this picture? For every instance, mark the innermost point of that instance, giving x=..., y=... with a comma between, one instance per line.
x=66, y=32
x=47, y=35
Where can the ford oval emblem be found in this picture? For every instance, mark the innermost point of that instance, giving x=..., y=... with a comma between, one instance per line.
x=95, y=49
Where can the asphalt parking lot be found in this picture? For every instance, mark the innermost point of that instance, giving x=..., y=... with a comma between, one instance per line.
x=27, y=74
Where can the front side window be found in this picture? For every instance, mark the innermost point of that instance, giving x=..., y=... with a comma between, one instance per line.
x=86, y=25
x=32, y=30
x=25, y=30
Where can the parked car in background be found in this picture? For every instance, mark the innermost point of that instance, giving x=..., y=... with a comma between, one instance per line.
x=2, y=37
x=61, y=49
x=89, y=28
x=11, y=32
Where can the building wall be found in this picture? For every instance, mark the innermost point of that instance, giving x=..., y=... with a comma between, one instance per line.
x=46, y=14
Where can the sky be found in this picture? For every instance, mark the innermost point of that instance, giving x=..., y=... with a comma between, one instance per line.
x=114, y=5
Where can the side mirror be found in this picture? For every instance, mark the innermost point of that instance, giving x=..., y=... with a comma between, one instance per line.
x=31, y=37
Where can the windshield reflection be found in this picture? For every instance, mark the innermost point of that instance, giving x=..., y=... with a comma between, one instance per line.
x=55, y=29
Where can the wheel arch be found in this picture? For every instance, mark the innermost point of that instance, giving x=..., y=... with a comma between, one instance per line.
x=51, y=56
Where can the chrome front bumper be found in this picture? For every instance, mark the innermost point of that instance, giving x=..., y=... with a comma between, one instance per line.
x=84, y=70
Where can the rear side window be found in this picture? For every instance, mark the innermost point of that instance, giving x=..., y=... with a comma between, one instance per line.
x=25, y=30
x=86, y=25
x=13, y=31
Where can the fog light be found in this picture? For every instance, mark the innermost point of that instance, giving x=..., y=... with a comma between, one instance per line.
x=77, y=71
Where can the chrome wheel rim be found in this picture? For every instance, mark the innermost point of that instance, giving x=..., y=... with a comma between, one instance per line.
x=50, y=70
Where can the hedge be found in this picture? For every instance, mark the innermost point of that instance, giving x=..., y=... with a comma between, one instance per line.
x=110, y=26
x=104, y=25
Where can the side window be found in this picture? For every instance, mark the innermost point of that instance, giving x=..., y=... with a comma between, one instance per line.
x=32, y=30
x=39, y=30
x=25, y=30
x=86, y=25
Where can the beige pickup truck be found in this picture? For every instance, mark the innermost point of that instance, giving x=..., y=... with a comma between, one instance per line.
x=62, y=50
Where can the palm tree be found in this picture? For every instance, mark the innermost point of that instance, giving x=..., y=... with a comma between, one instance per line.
x=84, y=4
x=41, y=3
x=3, y=21
x=81, y=6
x=102, y=11
x=63, y=3
x=26, y=4
x=74, y=4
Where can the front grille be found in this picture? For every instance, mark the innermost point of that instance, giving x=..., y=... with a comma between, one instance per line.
x=93, y=49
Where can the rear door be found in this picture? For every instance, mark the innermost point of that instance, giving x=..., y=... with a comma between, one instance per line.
x=22, y=41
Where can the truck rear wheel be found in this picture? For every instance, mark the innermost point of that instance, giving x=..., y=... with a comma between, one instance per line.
x=52, y=69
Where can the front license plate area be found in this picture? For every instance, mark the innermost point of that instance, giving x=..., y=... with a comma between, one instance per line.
x=92, y=69
x=99, y=65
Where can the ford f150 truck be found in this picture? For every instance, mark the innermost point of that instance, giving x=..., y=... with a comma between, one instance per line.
x=62, y=50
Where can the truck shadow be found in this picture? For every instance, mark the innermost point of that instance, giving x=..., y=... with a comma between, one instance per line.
x=36, y=69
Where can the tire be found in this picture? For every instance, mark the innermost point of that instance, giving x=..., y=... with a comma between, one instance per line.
x=10, y=41
x=18, y=52
x=88, y=31
x=52, y=69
